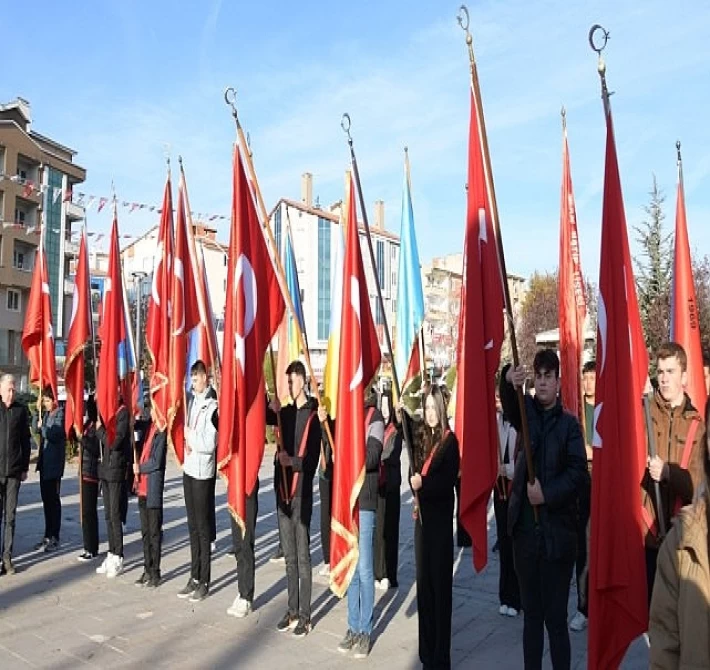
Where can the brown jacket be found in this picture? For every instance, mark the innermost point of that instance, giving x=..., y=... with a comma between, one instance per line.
x=679, y=627
x=671, y=426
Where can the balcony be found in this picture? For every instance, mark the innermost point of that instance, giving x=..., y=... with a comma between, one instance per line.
x=74, y=212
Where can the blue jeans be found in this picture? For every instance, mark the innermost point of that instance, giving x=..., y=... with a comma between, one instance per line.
x=361, y=592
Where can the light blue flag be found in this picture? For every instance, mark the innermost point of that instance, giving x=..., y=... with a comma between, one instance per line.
x=291, y=272
x=410, y=295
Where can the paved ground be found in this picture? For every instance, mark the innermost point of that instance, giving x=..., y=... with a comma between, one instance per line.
x=57, y=613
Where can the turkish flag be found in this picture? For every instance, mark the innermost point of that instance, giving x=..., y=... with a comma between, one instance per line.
x=254, y=308
x=185, y=317
x=480, y=339
x=38, y=333
x=572, y=303
x=685, y=326
x=618, y=605
x=80, y=328
x=157, y=332
x=358, y=362
x=113, y=334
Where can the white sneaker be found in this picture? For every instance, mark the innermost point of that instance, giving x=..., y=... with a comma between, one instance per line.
x=578, y=623
x=383, y=584
x=213, y=547
x=503, y=610
x=240, y=608
x=324, y=571
x=115, y=568
x=103, y=568
x=512, y=612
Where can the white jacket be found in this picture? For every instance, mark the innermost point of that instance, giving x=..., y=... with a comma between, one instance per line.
x=200, y=437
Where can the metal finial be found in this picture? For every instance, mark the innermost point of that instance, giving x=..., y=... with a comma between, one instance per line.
x=180, y=161
x=563, y=114
x=230, y=97
x=598, y=37
x=345, y=124
x=463, y=18
x=249, y=144
x=677, y=146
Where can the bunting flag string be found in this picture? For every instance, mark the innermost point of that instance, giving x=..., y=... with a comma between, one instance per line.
x=87, y=200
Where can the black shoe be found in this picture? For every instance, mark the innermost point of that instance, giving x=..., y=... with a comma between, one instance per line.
x=153, y=582
x=302, y=628
x=288, y=622
x=201, y=592
x=42, y=544
x=495, y=547
x=85, y=557
x=278, y=556
x=362, y=646
x=348, y=642
x=189, y=589
x=142, y=580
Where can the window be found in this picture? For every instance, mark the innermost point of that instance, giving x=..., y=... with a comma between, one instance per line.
x=18, y=260
x=22, y=174
x=20, y=216
x=323, y=278
x=225, y=260
x=381, y=263
x=379, y=314
x=13, y=300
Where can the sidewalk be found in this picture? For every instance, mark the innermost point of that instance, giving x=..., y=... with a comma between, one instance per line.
x=57, y=613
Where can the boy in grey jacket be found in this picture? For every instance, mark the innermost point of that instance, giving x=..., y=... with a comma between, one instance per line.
x=198, y=473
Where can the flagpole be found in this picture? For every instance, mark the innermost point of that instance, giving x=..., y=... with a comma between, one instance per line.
x=345, y=124
x=463, y=19
x=230, y=97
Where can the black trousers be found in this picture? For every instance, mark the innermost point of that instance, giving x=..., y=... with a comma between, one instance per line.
x=508, y=589
x=581, y=567
x=463, y=539
x=9, y=490
x=434, y=553
x=651, y=560
x=244, y=546
x=325, y=486
x=151, y=525
x=113, y=493
x=213, y=507
x=295, y=542
x=387, y=536
x=198, y=498
x=544, y=591
x=52, y=504
x=90, y=516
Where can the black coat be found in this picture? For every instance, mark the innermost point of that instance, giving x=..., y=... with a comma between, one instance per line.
x=392, y=459
x=116, y=456
x=52, y=445
x=90, y=453
x=560, y=462
x=154, y=469
x=373, y=454
x=14, y=440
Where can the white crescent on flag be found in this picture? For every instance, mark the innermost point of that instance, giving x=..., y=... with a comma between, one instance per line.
x=179, y=275
x=245, y=272
x=355, y=304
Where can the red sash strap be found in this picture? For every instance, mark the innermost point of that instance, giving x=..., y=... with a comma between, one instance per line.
x=427, y=463
x=390, y=431
x=145, y=455
x=302, y=451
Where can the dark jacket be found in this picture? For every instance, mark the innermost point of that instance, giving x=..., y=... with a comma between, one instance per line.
x=326, y=473
x=14, y=440
x=303, y=468
x=374, y=437
x=437, y=491
x=391, y=459
x=90, y=453
x=154, y=469
x=52, y=445
x=561, y=468
x=116, y=457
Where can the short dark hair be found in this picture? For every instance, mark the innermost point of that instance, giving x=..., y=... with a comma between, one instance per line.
x=48, y=393
x=671, y=349
x=198, y=368
x=296, y=368
x=706, y=358
x=546, y=359
x=589, y=366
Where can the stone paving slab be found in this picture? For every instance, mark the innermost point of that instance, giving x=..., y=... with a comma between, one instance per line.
x=57, y=613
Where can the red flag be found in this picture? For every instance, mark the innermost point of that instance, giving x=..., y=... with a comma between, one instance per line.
x=572, y=304
x=480, y=339
x=113, y=334
x=79, y=335
x=38, y=334
x=685, y=327
x=185, y=316
x=254, y=308
x=157, y=333
x=358, y=362
x=618, y=605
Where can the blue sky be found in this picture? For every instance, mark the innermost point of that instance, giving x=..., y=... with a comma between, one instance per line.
x=122, y=81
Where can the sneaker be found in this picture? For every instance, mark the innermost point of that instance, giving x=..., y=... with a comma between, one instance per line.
x=383, y=584
x=200, y=593
x=240, y=608
x=287, y=623
x=213, y=547
x=8, y=567
x=278, y=556
x=115, y=568
x=503, y=610
x=103, y=568
x=85, y=557
x=362, y=646
x=348, y=642
x=324, y=571
x=302, y=628
x=51, y=546
x=153, y=582
x=578, y=623
x=142, y=580
x=512, y=612
x=189, y=589
x=42, y=544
